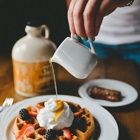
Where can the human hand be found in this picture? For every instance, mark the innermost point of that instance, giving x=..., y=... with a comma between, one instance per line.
x=85, y=16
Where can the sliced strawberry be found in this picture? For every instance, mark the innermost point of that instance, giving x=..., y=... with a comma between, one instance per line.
x=33, y=114
x=26, y=129
x=79, y=112
x=67, y=133
x=39, y=106
x=38, y=109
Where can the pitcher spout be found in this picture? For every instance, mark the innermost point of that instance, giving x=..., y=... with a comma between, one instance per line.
x=54, y=59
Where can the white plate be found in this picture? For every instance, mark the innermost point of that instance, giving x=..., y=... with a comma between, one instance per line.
x=129, y=94
x=108, y=125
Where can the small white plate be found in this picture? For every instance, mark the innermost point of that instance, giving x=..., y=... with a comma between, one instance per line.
x=107, y=124
x=129, y=94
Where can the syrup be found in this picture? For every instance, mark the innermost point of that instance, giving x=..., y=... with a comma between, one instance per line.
x=59, y=103
x=54, y=78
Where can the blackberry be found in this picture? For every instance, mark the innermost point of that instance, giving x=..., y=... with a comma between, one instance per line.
x=72, y=107
x=79, y=122
x=24, y=115
x=59, y=133
x=51, y=134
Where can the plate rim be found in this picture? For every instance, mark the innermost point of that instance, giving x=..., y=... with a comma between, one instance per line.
x=60, y=96
x=88, y=98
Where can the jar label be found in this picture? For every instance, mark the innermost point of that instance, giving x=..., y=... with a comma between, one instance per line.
x=32, y=78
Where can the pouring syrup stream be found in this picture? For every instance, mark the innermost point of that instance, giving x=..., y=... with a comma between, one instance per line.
x=54, y=77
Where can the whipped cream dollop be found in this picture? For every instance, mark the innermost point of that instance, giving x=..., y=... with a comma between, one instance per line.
x=55, y=115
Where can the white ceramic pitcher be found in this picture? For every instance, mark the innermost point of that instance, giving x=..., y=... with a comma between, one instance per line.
x=76, y=58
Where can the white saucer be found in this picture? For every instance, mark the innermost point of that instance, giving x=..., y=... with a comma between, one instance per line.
x=129, y=94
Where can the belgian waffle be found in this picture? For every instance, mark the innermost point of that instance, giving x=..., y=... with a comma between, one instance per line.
x=84, y=132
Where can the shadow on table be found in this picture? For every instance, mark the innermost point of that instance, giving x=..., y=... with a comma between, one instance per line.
x=123, y=133
x=97, y=130
x=68, y=88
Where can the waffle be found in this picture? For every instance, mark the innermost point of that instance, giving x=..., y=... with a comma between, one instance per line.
x=84, y=132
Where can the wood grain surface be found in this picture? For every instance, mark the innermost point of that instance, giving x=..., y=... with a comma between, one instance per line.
x=127, y=117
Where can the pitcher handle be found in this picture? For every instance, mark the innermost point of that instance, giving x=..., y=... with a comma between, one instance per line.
x=47, y=31
x=77, y=38
x=91, y=45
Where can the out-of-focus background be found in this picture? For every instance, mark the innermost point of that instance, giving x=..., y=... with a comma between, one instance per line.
x=14, y=15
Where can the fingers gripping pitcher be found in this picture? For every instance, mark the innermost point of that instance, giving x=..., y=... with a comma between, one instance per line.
x=30, y=57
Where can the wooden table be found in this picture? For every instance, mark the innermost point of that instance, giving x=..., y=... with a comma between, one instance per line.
x=127, y=117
